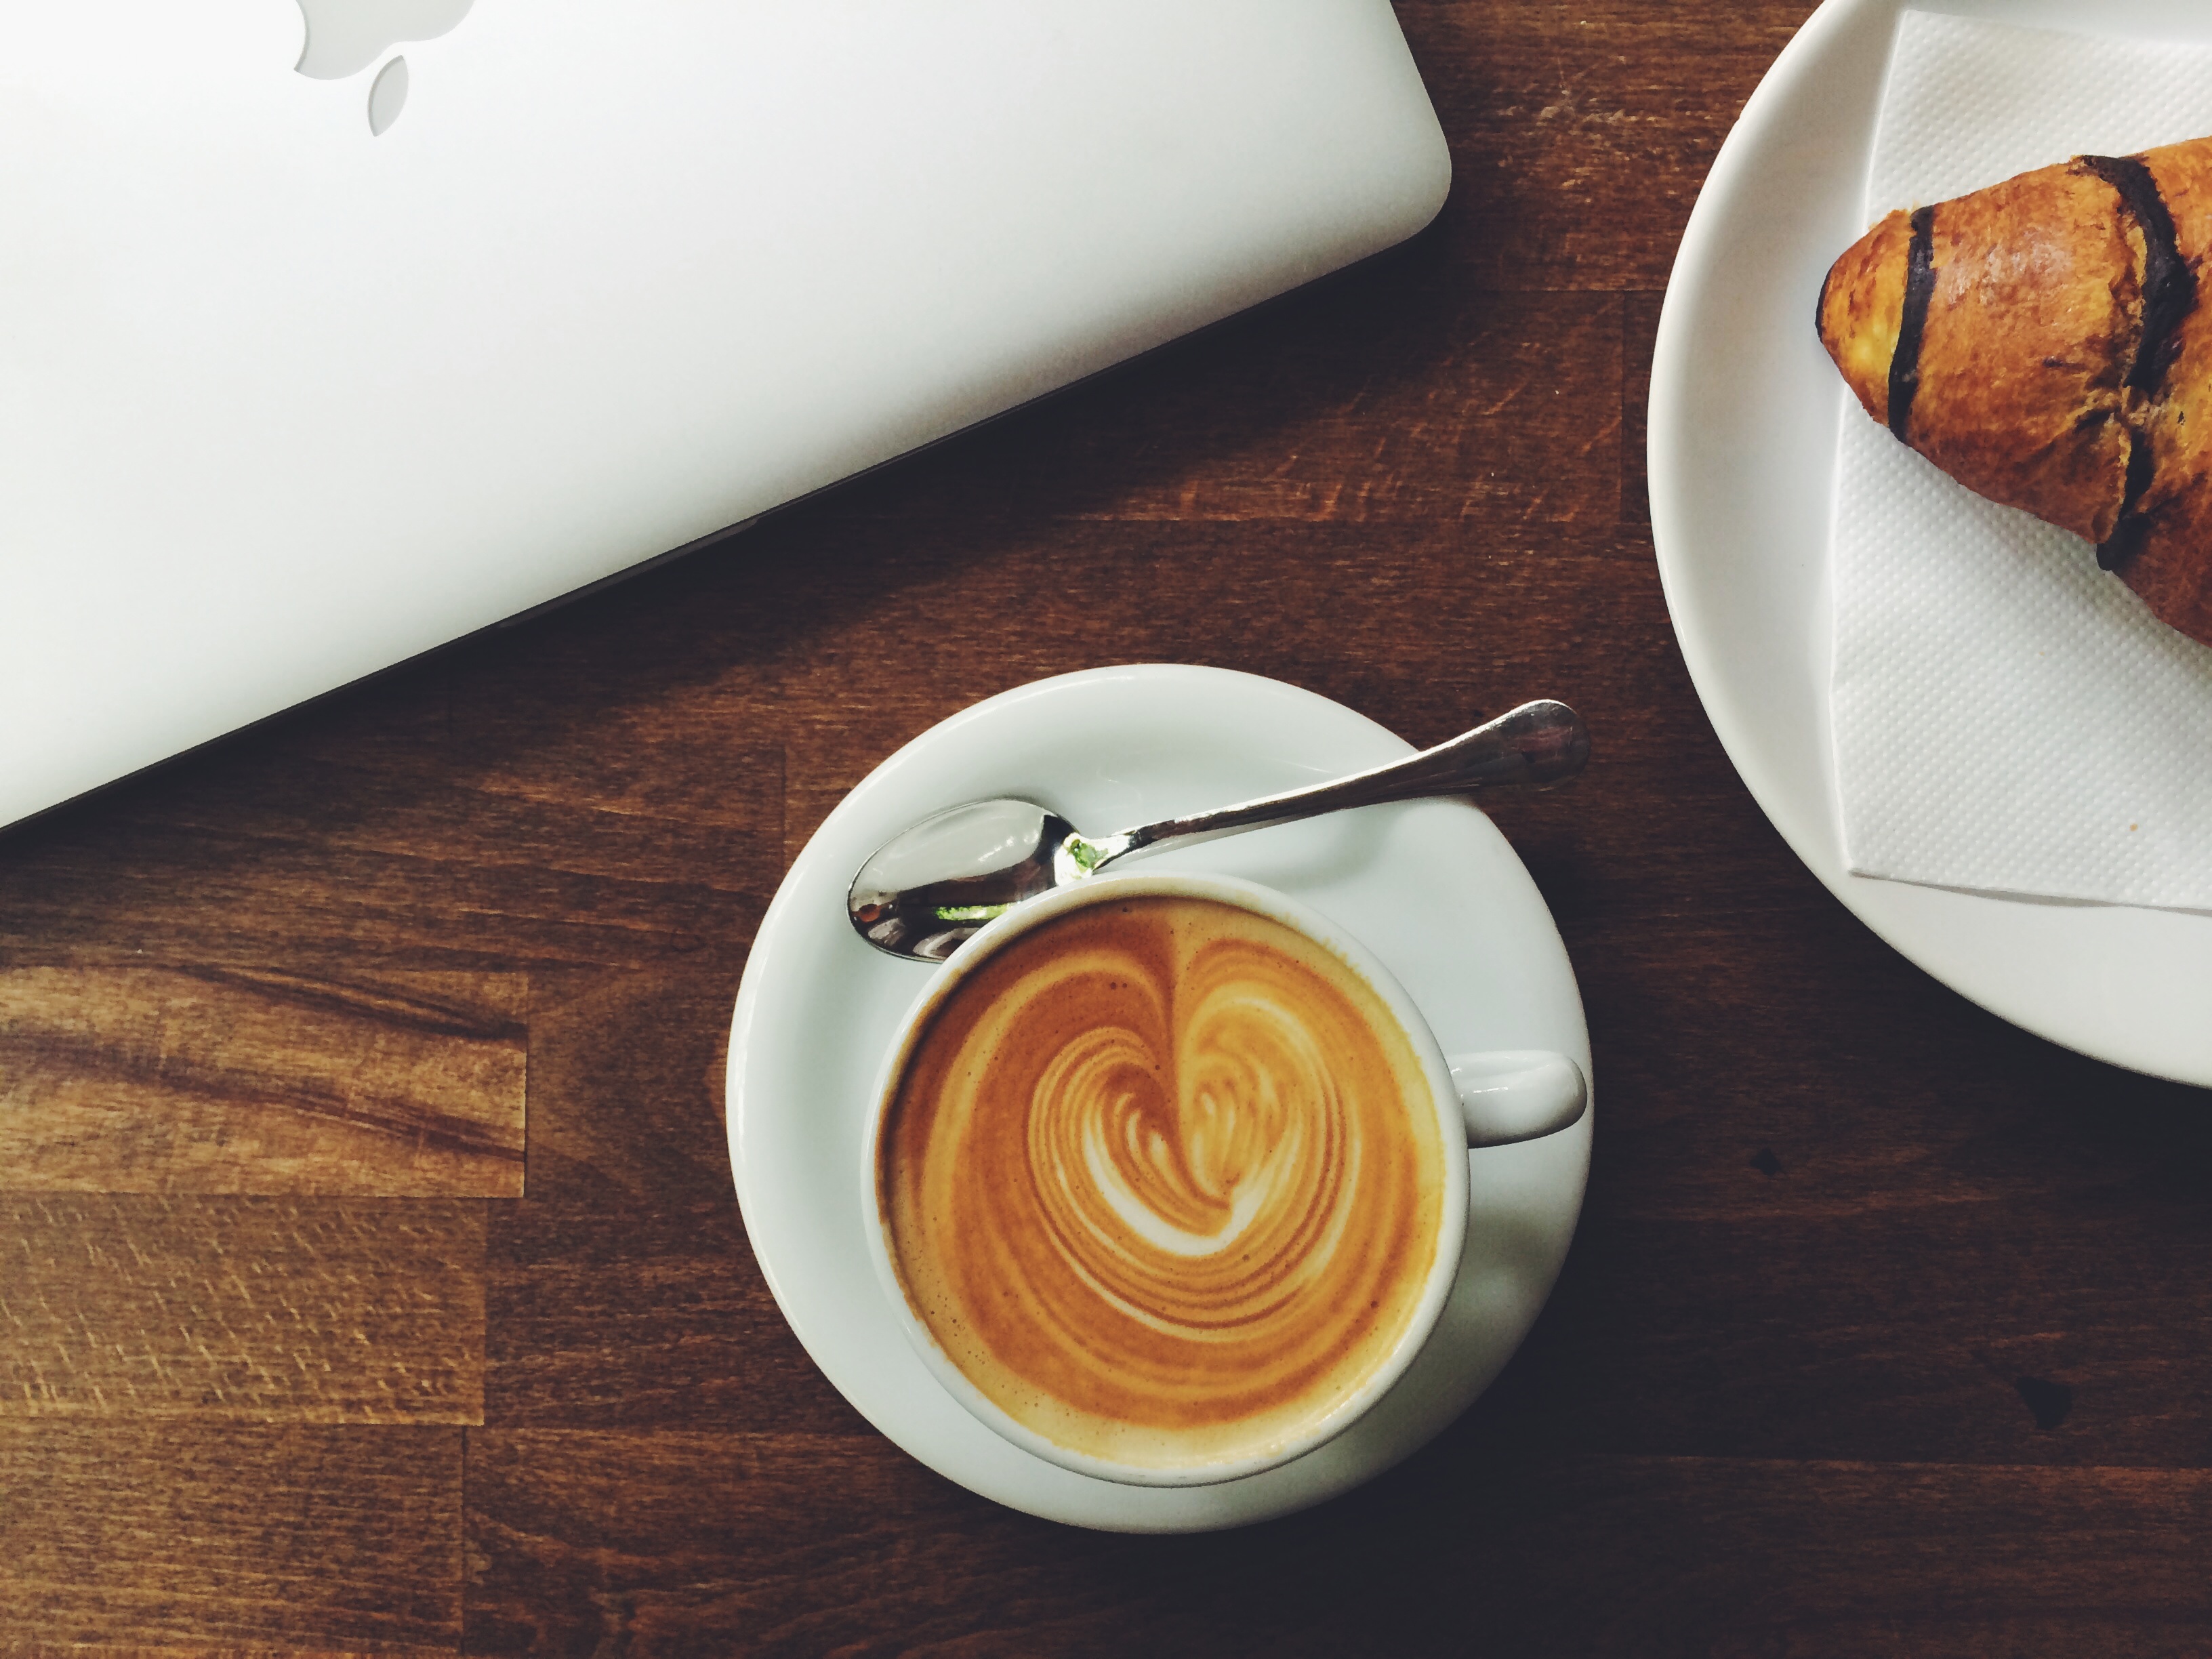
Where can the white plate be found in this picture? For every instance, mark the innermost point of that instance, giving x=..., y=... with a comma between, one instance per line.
x=1432, y=888
x=1744, y=416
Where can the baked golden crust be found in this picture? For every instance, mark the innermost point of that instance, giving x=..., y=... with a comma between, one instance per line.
x=2042, y=342
x=2028, y=413
x=1862, y=306
x=2170, y=561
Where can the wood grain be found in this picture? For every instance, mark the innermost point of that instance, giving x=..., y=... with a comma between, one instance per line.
x=151, y=1080
x=676, y=1543
x=1581, y=134
x=1846, y=1215
x=622, y=1290
x=1394, y=393
x=246, y=1310
x=258, y=854
x=198, y=1536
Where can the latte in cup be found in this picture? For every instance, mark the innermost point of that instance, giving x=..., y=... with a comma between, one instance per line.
x=1164, y=1179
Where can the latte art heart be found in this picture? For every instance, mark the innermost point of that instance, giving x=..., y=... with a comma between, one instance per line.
x=1162, y=1180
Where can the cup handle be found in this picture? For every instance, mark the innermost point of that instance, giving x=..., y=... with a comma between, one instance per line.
x=1517, y=1094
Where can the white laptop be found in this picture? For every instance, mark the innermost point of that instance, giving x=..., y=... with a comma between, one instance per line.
x=327, y=338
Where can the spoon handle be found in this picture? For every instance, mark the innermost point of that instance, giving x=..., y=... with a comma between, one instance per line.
x=1534, y=746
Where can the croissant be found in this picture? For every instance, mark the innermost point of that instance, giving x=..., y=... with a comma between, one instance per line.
x=2042, y=341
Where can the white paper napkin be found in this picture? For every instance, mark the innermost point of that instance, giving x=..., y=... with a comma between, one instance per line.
x=2008, y=717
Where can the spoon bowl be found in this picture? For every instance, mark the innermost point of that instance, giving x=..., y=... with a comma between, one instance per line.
x=929, y=889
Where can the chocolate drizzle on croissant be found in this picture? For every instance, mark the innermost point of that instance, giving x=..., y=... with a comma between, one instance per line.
x=2042, y=341
x=2169, y=295
x=1919, y=289
x=2169, y=287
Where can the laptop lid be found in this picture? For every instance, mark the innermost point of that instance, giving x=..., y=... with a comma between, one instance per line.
x=327, y=338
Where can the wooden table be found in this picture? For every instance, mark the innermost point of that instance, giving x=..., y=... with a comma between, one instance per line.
x=370, y=1279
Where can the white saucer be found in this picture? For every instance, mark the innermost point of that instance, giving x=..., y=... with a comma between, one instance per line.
x=1743, y=413
x=1432, y=888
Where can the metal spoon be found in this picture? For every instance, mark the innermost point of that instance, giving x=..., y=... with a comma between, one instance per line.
x=929, y=889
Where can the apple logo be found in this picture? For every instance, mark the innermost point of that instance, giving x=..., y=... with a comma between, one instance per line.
x=344, y=37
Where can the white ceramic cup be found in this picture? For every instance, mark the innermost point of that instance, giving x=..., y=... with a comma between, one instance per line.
x=1484, y=1099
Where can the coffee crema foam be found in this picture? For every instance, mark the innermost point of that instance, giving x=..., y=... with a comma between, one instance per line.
x=1164, y=1179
